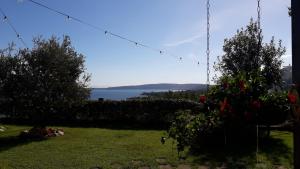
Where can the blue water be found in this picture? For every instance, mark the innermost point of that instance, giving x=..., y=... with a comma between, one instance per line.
x=118, y=94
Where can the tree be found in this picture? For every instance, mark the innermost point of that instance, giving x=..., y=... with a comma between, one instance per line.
x=245, y=53
x=46, y=81
x=8, y=65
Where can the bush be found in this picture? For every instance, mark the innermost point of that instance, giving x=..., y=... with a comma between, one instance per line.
x=148, y=113
x=144, y=112
x=190, y=129
x=232, y=110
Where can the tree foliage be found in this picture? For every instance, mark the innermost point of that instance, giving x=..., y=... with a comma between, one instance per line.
x=245, y=52
x=43, y=81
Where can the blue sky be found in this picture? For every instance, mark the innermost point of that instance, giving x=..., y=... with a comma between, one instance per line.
x=176, y=26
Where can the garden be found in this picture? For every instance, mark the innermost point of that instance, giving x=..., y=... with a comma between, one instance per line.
x=244, y=120
x=115, y=148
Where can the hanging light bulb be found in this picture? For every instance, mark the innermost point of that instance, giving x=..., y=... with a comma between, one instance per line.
x=180, y=58
x=68, y=18
x=4, y=18
x=136, y=43
x=105, y=32
x=161, y=52
x=18, y=36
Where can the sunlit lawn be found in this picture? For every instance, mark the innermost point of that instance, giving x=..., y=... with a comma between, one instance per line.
x=105, y=148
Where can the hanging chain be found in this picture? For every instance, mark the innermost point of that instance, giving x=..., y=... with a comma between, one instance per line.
x=258, y=53
x=208, y=40
x=259, y=27
x=258, y=14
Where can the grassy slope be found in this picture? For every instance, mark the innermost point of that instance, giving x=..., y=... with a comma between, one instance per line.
x=91, y=147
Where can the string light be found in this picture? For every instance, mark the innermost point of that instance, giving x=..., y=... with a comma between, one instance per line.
x=106, y=32
x=68, y=18
x=5, y=18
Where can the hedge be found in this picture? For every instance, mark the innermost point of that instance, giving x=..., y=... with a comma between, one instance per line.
x=150, y=113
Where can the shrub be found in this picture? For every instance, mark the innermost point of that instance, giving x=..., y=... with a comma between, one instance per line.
x=232, y=109
x=144, y=112
x=148, y=113
x=190, y=129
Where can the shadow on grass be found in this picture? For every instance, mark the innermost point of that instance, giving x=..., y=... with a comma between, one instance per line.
x=105, y=124
x=272, y=152
x=9, y=142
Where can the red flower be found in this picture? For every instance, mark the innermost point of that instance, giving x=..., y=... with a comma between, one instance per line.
x=256, y=104
x=225, y=85
x=292, y=98
x=242, y=85
x=202, y=99
x=224, y=105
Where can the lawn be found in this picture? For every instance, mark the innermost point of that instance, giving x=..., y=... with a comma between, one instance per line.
x=106, y=148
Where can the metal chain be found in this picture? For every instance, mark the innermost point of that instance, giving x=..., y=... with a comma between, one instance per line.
x=258, y=14
x=208, y=42
x=258, y=53
x=259, y=27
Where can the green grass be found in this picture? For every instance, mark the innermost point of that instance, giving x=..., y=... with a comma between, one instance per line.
x=93, y=147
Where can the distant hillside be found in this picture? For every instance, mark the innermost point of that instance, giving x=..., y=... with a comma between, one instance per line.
x=163, y=86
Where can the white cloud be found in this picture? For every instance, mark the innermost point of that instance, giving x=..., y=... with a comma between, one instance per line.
x=186, y=40
x=220, y=19
x=217, y=22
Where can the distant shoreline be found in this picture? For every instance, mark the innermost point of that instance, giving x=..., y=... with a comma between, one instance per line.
x=160, y=86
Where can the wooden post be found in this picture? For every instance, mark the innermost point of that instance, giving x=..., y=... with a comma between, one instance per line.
x=296, y=72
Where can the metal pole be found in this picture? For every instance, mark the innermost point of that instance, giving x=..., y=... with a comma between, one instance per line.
x=208, y=42
x=296, y=72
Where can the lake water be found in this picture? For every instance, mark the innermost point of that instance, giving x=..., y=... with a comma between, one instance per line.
x=118, y=94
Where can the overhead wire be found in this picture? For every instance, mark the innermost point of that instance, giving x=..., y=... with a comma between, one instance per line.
x=107, y=32
x=7, y=20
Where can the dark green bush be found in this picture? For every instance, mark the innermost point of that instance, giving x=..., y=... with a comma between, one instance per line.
x=159, y=112
x=152, y=113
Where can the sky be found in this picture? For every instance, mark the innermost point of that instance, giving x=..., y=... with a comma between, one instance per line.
x=175, y=26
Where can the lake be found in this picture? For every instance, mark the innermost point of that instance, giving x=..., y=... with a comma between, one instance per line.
x=119, y=94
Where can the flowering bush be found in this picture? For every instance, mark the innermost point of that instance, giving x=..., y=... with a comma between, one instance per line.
x=238, y=100
x=232, y=109
x=293, y=97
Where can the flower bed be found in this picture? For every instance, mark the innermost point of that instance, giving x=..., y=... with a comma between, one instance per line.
x=41, y=132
